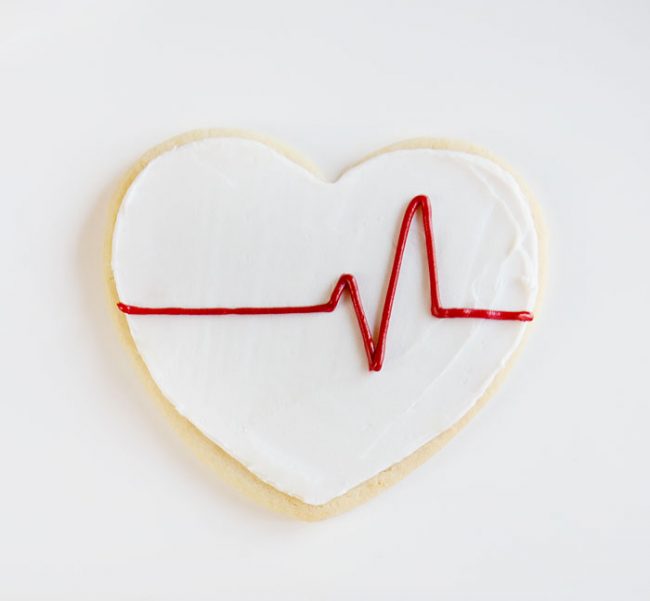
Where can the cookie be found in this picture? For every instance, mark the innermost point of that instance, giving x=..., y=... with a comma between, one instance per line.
x=318, y=340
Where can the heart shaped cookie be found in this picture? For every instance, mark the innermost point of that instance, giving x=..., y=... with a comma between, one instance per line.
x=323, y=338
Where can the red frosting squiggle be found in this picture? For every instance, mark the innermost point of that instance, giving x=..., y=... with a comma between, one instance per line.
x=374, y=351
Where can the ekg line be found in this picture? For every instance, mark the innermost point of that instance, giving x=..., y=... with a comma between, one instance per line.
x=347, y=283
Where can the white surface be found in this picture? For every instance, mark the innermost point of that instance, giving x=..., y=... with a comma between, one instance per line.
x=544, y=495
x=232, y=222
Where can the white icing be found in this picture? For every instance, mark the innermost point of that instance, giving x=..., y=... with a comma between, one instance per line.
x=232, y=222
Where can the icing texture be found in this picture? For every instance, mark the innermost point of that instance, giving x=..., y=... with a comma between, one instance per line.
x=227, y=222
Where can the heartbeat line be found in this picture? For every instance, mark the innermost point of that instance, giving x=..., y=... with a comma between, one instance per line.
x=347, y=282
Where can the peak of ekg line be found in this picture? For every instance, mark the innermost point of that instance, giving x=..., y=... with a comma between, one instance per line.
x=375, y=350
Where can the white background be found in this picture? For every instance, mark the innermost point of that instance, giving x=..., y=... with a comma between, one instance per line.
x=545, y=495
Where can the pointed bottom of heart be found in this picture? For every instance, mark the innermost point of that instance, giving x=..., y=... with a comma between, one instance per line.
x=243, y=480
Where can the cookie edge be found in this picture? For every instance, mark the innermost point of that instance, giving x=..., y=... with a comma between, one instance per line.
x=229, y=468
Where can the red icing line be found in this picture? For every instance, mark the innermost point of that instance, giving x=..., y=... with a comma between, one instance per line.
x=374, y=351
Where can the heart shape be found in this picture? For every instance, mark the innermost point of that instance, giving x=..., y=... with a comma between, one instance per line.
x=218, y=219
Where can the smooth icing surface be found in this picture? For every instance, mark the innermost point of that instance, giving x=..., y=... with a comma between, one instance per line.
x=232, y=222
